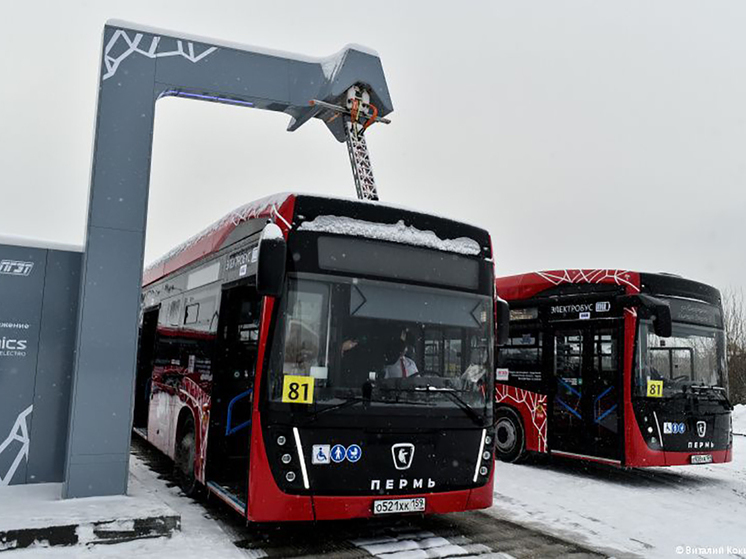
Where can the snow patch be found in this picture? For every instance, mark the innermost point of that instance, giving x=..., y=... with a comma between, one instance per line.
x=158, y=31
x=271, y=231
x=31, y=242
x=40, y=505
x=396, y=233
x=330, y=65
x=739, y=419
x=648, y=512
x=201, y=536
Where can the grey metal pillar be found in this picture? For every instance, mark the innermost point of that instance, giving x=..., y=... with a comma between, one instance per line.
x=140, y=65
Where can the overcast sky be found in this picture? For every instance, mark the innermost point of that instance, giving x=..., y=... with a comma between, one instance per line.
x=580, y=133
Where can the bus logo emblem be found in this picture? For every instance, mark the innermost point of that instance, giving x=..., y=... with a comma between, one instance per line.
x=701, y=428
x=403, y=454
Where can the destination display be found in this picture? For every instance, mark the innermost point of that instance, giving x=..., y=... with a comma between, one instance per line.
x=694, y=312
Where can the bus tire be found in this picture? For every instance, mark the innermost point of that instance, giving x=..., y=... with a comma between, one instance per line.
x=184, y=459
x=510, y=437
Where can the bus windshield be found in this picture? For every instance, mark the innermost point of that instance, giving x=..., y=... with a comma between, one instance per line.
x=692, y=356
x=396, y=344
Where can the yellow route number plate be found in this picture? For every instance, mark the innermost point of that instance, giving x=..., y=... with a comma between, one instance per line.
x=297, y=389
x=655, y=388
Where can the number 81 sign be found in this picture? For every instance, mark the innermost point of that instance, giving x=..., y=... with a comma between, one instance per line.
x=655, y=388
x=297, y=389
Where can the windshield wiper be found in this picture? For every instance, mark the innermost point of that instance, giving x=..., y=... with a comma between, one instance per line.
x=366, y=398
x=346, y=404
x=703, y=390
x=453, y=394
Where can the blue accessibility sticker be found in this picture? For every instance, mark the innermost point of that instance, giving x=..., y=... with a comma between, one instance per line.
x=338, y=453
x=354, y=452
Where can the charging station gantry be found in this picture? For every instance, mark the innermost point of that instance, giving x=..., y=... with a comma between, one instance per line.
x=67, y=395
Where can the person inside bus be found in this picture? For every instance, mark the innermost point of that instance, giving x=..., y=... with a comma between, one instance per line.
x=357, y=360
x=398, y=364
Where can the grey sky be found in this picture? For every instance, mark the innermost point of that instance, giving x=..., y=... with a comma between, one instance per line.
x=581, y=134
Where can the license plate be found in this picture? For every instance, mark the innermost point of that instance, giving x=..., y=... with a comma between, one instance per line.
x=393, y=506
x=701, y=458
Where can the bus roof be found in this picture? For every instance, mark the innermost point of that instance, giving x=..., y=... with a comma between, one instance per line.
x=211, y=239
x=525, y=286
x=335, y=215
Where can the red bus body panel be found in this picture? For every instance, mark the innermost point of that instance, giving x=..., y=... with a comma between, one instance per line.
x=532, y=408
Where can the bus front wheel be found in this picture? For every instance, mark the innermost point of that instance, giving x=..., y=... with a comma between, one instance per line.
x=510, y=439
x=184, y=459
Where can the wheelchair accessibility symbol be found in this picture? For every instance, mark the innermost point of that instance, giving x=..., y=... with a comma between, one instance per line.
x=320, y=454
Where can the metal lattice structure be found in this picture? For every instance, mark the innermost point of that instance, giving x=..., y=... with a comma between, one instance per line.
x=358, y=113
x=362, y=171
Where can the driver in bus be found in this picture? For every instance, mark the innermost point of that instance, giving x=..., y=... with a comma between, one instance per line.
x=399, y=365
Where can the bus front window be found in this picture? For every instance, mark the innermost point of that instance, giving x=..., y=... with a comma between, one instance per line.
x=692, y=356
x=407, y=344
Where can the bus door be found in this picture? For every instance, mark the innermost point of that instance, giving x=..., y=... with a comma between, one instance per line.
x=232, y=391
x=586, y=405
x=145, y=358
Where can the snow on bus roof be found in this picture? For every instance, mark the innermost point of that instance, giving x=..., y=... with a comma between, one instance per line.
x=269, y=206
x=397, y=232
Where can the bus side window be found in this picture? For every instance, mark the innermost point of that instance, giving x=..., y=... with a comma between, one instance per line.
x=522, y=356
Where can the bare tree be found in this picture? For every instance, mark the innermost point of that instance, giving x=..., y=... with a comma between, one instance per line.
x=734, y=319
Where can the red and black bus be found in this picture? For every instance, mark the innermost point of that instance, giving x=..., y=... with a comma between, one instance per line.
x=613, y=366
x=308, y=358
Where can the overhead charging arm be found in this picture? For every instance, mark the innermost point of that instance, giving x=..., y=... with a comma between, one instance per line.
x=358, y=113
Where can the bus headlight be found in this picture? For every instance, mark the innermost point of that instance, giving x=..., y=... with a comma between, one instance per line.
x=286, y=458
x=290, y=476
x=281, y=440
x=483, y=470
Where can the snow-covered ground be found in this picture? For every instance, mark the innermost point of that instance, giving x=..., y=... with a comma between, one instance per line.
x=651, y=513
x=200, y=536
x=739, y=419
x=647, y=512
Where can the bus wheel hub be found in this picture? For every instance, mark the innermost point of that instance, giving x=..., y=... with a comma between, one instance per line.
x=506, y=435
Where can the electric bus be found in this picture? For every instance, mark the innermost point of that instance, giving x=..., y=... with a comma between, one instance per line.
x=309, y=358
x=613, y=366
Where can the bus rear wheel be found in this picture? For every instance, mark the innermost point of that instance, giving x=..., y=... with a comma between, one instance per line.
x=184, y=460
x=510, y=439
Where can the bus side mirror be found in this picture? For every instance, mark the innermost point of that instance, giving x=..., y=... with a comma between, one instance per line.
x=270, y=272
x=503, y=322
x=662, y=324
x=660, y=309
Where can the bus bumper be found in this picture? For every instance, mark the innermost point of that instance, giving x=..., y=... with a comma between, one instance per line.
x=279, y=506
x=668, y=458
x=341, y=508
